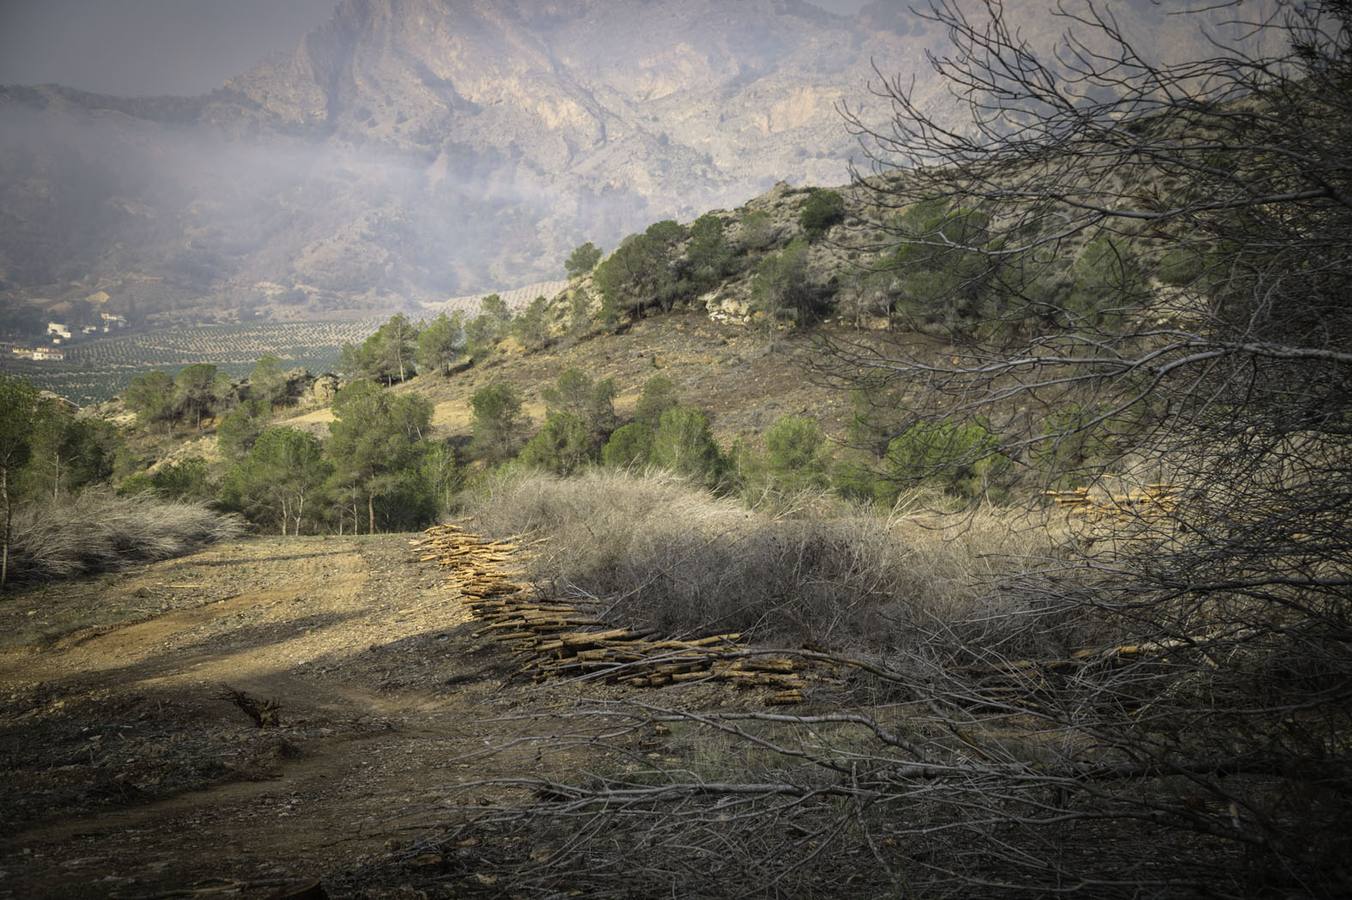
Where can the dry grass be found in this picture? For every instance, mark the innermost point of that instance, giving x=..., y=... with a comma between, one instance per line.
x=100, y=532
x=660, y=553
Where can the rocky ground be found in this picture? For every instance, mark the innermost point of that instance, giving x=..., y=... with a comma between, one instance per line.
x=126, y=773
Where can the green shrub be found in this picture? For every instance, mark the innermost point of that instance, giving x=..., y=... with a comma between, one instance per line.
x=1108, y=281
x=961, y=457
x=629, y=447
x=643, y=271
x=498, y=427
x=1180, y=267
x=821, y=211
x=757, y=231
x=659, y=395
x=684, y=444
x=440, y=342
x=582, y=260
x=591, y=402
x=782, y=288
x=187, y=479
x=854, y=479
x=563, y=446
x=240, y=427
x=795, y=454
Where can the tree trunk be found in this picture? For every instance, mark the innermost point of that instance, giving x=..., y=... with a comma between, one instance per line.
x=9, y=520
x=370, y=514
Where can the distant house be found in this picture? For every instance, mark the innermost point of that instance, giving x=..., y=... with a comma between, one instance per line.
x=90, y=329
x=48, y=353
x=111, y=321
x=58, y=330
x=22, y=352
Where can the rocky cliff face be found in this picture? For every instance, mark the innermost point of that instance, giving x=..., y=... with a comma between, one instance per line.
x=415, y=149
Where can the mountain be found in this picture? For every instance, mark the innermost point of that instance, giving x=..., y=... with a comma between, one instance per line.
x=413, y=150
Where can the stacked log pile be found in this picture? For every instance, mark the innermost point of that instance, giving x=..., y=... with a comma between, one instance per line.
x=1152, y=500
x=558, y=639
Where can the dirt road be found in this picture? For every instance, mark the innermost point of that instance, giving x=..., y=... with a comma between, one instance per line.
x=124, y=773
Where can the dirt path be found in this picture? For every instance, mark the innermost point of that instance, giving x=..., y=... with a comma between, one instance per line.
x=125, y=773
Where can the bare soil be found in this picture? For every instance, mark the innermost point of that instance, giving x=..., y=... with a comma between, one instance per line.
x=124, y=772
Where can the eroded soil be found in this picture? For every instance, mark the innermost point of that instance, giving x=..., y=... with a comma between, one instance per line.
x=125, y=773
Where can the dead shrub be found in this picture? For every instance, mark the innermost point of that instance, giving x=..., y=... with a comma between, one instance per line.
x=658, y=552
x=98, y=531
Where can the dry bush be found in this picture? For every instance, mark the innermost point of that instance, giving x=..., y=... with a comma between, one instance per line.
x=98, y=531
x=660, y=553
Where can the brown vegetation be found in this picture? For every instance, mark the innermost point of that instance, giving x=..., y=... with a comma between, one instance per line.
x=97, y=531
x=657, y=552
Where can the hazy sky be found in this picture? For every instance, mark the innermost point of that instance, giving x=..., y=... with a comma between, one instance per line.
x=138, y=47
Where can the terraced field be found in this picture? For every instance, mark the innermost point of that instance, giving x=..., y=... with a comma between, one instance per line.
x=99, y=369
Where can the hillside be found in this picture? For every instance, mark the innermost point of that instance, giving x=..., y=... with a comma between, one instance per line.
x=719, y=367
x=413, y=150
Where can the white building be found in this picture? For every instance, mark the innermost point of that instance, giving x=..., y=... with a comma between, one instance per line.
x=59, y=330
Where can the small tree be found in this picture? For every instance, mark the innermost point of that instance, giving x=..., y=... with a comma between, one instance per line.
x=757, y=231
x=18, y=408
x=562, y=446
x=496, y=309
x=642, y=272
x=1108, y=281
x=441, y=472
x=795, y=454
x=591, y=402
x=498, y=425
x=963, y=457
x=708, y=255
x=684, y=444
x=375, y=435
x=440, y=342
x=582, y=260
x=822, y=211
x=67, y=452
x=278, y=478
x=782, y=289
x=185, y=479
x=531, y=327
x=267, y=382
x=630, y=447
x=240, y=427
x=484, y=331
x=391, y=351
x=579, y=314
x=151, y=397
x=196, y=391
x=659, y=395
